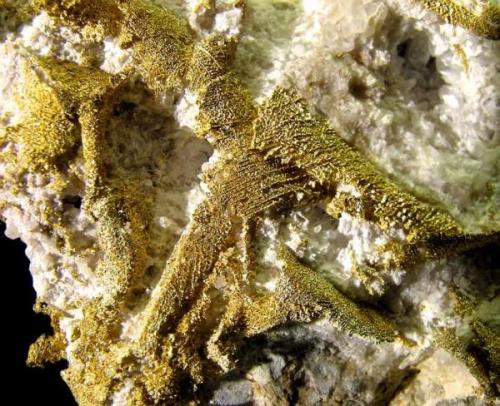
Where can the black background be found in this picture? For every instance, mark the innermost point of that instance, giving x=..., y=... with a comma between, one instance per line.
x=20, y=327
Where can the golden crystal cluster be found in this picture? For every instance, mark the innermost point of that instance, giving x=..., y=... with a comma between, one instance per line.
x=273, y=157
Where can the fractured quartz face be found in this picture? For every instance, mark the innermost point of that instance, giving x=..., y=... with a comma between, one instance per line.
x=257, y=202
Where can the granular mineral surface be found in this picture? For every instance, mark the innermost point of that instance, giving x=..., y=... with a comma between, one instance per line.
x=269, y=202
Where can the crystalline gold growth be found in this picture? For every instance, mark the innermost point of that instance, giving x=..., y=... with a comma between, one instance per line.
x=487, y=24
x=273, y=158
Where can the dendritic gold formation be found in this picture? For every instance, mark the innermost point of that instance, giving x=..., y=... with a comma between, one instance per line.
x=273, y=157
x=485, y=25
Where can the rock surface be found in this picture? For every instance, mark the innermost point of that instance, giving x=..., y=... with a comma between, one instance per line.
x=197, y=230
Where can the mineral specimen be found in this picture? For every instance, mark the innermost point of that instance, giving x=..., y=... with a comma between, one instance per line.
x=271, y=202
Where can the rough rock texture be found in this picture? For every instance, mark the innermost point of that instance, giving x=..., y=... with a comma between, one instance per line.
x=269, y=202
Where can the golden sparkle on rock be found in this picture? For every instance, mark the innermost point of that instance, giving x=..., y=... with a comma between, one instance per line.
x=485, y=25
x=275, y=156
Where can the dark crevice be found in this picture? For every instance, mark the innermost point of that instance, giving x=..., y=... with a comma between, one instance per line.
x=297, y=383
x=406, y=379
x=358, y=88
x=26, y=385
x=419, y=66
x=431, y=65
x=124, y=108
x=402, y=48
x=73, y=200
